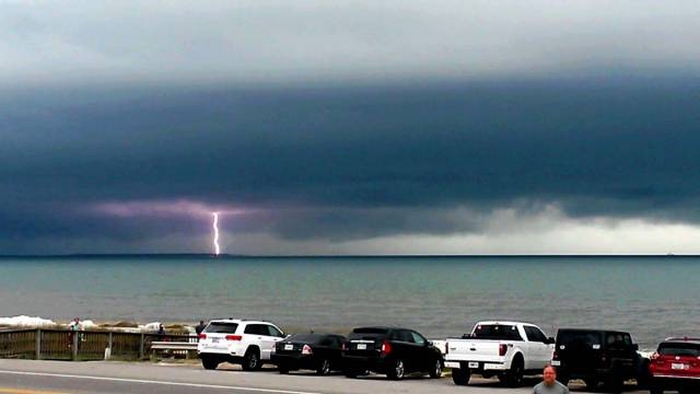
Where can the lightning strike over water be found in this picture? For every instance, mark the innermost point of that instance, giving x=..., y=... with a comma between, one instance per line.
x=217, y=249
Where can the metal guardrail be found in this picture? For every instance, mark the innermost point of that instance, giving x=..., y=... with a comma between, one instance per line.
x=63, y=344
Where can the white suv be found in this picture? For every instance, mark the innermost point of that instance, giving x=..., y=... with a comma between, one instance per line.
x=238, y=341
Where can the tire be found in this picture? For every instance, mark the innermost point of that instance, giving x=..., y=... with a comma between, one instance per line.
x=324, y=367
x=461, y=376
x=514, y=377
x=397, y=370
x=351, y=373
x=655, y=390
x=591, y=383
x=283, y=369
x=209, y=363
x=436, y=371
x=251, y=360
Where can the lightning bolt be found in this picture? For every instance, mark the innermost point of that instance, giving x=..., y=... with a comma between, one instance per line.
x=215, y=225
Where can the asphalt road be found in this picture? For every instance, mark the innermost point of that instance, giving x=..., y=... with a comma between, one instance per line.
x=61, y=377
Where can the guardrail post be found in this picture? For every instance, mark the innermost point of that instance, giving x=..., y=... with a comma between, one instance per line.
x=142, y=346
x=38, y=343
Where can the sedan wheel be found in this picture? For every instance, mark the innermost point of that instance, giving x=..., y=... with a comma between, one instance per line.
x=398, y=371
x=436, y=372
x=324, y=367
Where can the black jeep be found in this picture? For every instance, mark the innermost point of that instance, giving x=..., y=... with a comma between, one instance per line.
x=597, y=356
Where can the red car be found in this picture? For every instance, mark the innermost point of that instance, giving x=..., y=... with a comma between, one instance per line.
x=676, y=366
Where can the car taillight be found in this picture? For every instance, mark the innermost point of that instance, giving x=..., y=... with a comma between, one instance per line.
x=655, y=356
x=234, y=337
x=502, y=349
x=344, y=347
x=555, y=355
x=386, y=347
x=603, y=358
x=306, y=350
x=202, y=336
x=447, y=348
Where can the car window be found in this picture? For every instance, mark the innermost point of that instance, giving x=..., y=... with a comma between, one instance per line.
x=534, y=334
x=417, y=338
x=221, y=327
x=497, y=331
x=256, y=329
x=274, y=332
x=587, y=339
x=679, y=349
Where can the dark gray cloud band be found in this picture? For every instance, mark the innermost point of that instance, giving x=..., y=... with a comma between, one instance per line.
x=349, y=163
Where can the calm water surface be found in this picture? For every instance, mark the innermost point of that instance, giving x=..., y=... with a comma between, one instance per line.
x=653, y=297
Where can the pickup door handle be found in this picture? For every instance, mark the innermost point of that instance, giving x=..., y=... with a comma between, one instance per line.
x=473, y=349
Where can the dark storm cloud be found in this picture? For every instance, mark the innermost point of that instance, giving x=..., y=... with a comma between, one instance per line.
x=348, y=163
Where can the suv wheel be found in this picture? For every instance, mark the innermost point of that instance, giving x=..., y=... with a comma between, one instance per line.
x=209, y=362
x=251, y=360
x=461, y=376
x=436, y=372
x=397, y=371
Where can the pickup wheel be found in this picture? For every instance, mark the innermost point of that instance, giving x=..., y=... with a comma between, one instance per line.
x=514, y=377
x=397, y=371
x=461, y=376
x=436, y=371
x=251, y=360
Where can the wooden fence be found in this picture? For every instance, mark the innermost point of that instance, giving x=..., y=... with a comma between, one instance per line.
x=62, y=344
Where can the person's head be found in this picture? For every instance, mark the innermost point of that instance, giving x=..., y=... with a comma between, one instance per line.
x=77, y=319
x=201, y=322
x=549, y=375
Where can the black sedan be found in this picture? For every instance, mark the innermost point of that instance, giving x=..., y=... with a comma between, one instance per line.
x=318, y=352
x=392, y=351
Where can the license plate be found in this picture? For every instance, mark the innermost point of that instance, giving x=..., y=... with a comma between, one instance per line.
x=215, y=340
x=556, y=363
x=361, y=346
x=288, y=346
x=678, y=366
x=473, y=364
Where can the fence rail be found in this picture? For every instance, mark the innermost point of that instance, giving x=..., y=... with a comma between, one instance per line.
x=63, y=344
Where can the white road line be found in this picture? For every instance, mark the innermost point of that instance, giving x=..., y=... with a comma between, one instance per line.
x=208, y=386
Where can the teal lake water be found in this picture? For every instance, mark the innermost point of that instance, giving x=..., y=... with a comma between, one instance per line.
x=652, y=297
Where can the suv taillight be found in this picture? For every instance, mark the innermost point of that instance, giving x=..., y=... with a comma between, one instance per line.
x=386, y=347
x=502, y=349
x=344, y=347
x=306, y=350
x=555, y=355
x=202, y=336
x=234, y=337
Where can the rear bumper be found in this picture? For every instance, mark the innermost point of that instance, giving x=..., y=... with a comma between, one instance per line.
x=671, y=382
x=294, y=361
x=375, y=364
x=477, y=366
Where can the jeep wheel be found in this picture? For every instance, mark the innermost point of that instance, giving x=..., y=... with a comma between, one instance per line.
x=436, y=372
x=461, y=376
x=397, y=371
x=591, y=383
x=251, y=360
x=209, y=363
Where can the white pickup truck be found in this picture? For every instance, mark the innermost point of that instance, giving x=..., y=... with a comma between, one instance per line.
x=505, y=349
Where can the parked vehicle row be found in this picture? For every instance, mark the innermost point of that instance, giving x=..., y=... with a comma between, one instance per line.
x=507, y=350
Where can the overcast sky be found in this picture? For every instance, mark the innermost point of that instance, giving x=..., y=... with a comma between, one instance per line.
x=353, y=127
